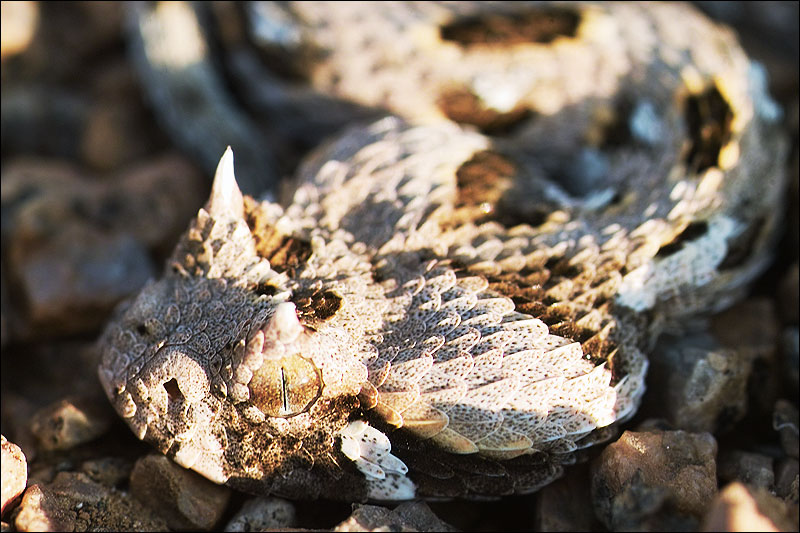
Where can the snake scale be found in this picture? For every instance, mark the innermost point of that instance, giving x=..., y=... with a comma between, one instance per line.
x=455, y=294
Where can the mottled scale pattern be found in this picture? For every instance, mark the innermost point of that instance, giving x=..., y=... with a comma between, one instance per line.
x=456, y=299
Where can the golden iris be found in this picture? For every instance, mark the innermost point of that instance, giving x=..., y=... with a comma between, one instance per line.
x=285, y=387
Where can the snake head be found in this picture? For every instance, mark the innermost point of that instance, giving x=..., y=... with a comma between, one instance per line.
x=215, y=352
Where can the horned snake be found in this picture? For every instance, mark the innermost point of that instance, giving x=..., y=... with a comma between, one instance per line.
x=434, y=309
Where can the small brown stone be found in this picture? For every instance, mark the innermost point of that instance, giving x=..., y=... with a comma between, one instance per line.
x=73, y=502
x=738, y=508
x=647, y=477
x=14, y=472
x=185, y=499
x=70, y=422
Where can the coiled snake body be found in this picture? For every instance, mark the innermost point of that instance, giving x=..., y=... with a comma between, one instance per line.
x=439, y=309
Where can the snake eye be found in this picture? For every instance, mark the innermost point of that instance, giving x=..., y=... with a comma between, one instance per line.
x=285, y=387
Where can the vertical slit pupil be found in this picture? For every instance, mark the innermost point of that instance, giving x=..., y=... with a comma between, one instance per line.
x=284, y=391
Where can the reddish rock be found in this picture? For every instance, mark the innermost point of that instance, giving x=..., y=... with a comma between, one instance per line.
x=738, y=508
x=14, y=472
x=655, y=480
x=185, y=499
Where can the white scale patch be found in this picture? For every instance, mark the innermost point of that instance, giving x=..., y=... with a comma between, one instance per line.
x=370, y=450
x=693, y=266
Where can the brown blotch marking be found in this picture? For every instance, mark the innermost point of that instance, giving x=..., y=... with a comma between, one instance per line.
x=465, y=107
x=542, y=25
x=315, y=306
x=482, y=182
x=709, y=118
x=284, y=253
x=528, y=289
x=691, y=232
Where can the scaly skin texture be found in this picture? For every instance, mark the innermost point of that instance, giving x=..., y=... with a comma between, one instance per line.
x=433, y=312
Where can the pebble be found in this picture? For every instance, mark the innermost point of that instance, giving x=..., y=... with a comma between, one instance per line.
x=739, y=508
x=409, y=516
x=71, y=421
x=184, y=498
x=704, y=380
x=651, y=480
x=262, y=514
x=73, y=502
x=752, y=469
x=698, y=384
x=14, y=472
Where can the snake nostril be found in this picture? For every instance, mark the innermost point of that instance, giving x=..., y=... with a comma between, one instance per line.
x=173, y=391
